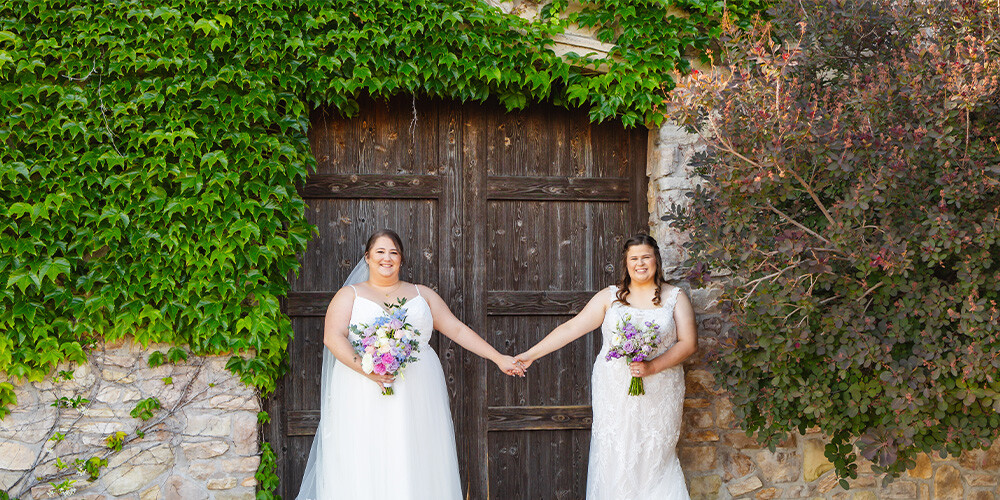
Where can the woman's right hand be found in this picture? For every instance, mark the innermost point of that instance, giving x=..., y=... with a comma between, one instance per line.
x=524, y=360
x=381, y=380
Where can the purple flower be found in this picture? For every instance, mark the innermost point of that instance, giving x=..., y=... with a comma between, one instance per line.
x=395, y=324
x=629, y=346
x=392, y=366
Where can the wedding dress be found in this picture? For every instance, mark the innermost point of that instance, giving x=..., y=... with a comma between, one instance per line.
x=633, y=438
x=374, y=447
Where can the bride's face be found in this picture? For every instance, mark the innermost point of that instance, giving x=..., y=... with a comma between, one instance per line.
x=640, y=260
x=384, y=258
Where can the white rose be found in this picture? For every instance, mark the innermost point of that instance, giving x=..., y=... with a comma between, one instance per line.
x=367, y=363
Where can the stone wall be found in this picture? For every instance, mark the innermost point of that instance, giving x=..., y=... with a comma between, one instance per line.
x=202, y=443
x=720, y=461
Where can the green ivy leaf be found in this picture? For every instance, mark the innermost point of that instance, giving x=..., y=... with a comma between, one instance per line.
x=206, y=26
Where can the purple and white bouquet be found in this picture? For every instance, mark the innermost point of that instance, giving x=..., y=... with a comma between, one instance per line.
x=388, y=344
x=634, y=342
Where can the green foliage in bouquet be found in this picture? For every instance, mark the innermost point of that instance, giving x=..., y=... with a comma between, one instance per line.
x=860, y=217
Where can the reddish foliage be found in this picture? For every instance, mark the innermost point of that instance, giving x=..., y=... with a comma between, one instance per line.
x=853, y=187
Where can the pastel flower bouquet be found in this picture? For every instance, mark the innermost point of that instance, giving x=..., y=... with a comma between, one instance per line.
x=634, y=342
x=388, y=344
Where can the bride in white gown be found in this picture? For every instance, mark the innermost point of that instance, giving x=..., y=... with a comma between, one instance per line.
x=369, y=446
x=634, y=438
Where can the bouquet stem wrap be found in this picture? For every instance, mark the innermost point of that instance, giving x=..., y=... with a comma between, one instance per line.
x=636, y=388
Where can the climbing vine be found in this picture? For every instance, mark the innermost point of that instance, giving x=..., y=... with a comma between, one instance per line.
x=151, y=150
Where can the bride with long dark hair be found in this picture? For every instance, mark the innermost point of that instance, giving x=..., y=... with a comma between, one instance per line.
x=634, y=438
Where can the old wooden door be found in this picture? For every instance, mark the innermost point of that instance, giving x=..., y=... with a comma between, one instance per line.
x=516, y=219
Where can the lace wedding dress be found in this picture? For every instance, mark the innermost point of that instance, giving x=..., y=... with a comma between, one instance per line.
x=633, y=439
x=374, y=447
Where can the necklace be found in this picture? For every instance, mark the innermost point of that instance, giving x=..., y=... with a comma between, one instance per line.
x=393, y=289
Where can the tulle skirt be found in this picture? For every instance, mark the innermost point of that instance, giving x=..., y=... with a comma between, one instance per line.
x=397, y=447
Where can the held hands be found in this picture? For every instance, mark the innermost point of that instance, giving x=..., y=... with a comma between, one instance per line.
x=524, y=360
x=510, y=366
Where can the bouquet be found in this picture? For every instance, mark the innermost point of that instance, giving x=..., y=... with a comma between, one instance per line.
x=388, y=344
x=634, y=343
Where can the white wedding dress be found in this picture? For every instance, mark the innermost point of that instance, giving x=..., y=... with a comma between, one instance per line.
x=634, y=438
x=397, y=447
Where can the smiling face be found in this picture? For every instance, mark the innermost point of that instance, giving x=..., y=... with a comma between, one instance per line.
x=384, y=258
x=640, y=261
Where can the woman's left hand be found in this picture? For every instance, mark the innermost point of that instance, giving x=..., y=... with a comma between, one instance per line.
x=640, y=368
x=510, y=366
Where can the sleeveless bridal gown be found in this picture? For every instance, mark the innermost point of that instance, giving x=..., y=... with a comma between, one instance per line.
x=634, y=438
x=396, y=447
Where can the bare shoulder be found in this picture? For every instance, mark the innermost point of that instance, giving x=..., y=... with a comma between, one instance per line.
x=603, y=297
x=607, y=293
x=341, y=303
x=343, y=296
x=430, y=296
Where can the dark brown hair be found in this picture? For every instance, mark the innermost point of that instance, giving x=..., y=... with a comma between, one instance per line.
x=623, y=291
x=392, y=236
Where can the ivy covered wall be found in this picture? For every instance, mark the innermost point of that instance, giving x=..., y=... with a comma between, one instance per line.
x=151, y=150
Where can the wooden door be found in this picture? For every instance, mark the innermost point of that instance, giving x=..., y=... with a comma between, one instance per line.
x=515, y=219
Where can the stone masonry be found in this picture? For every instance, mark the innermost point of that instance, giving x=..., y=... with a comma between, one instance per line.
x=719, y=460
x=202, y=443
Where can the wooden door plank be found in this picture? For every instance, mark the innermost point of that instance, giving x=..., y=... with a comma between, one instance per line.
x=475, y=156
x=537, y=418
x=451, y=254
x=499, y=418
x=381, y=186
x=559, y=188
x=274, y=433
x=308, y=303
x=509, y=465
x=640, y=182
x=537, y=302
x=545, y=464
x=302, y=422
